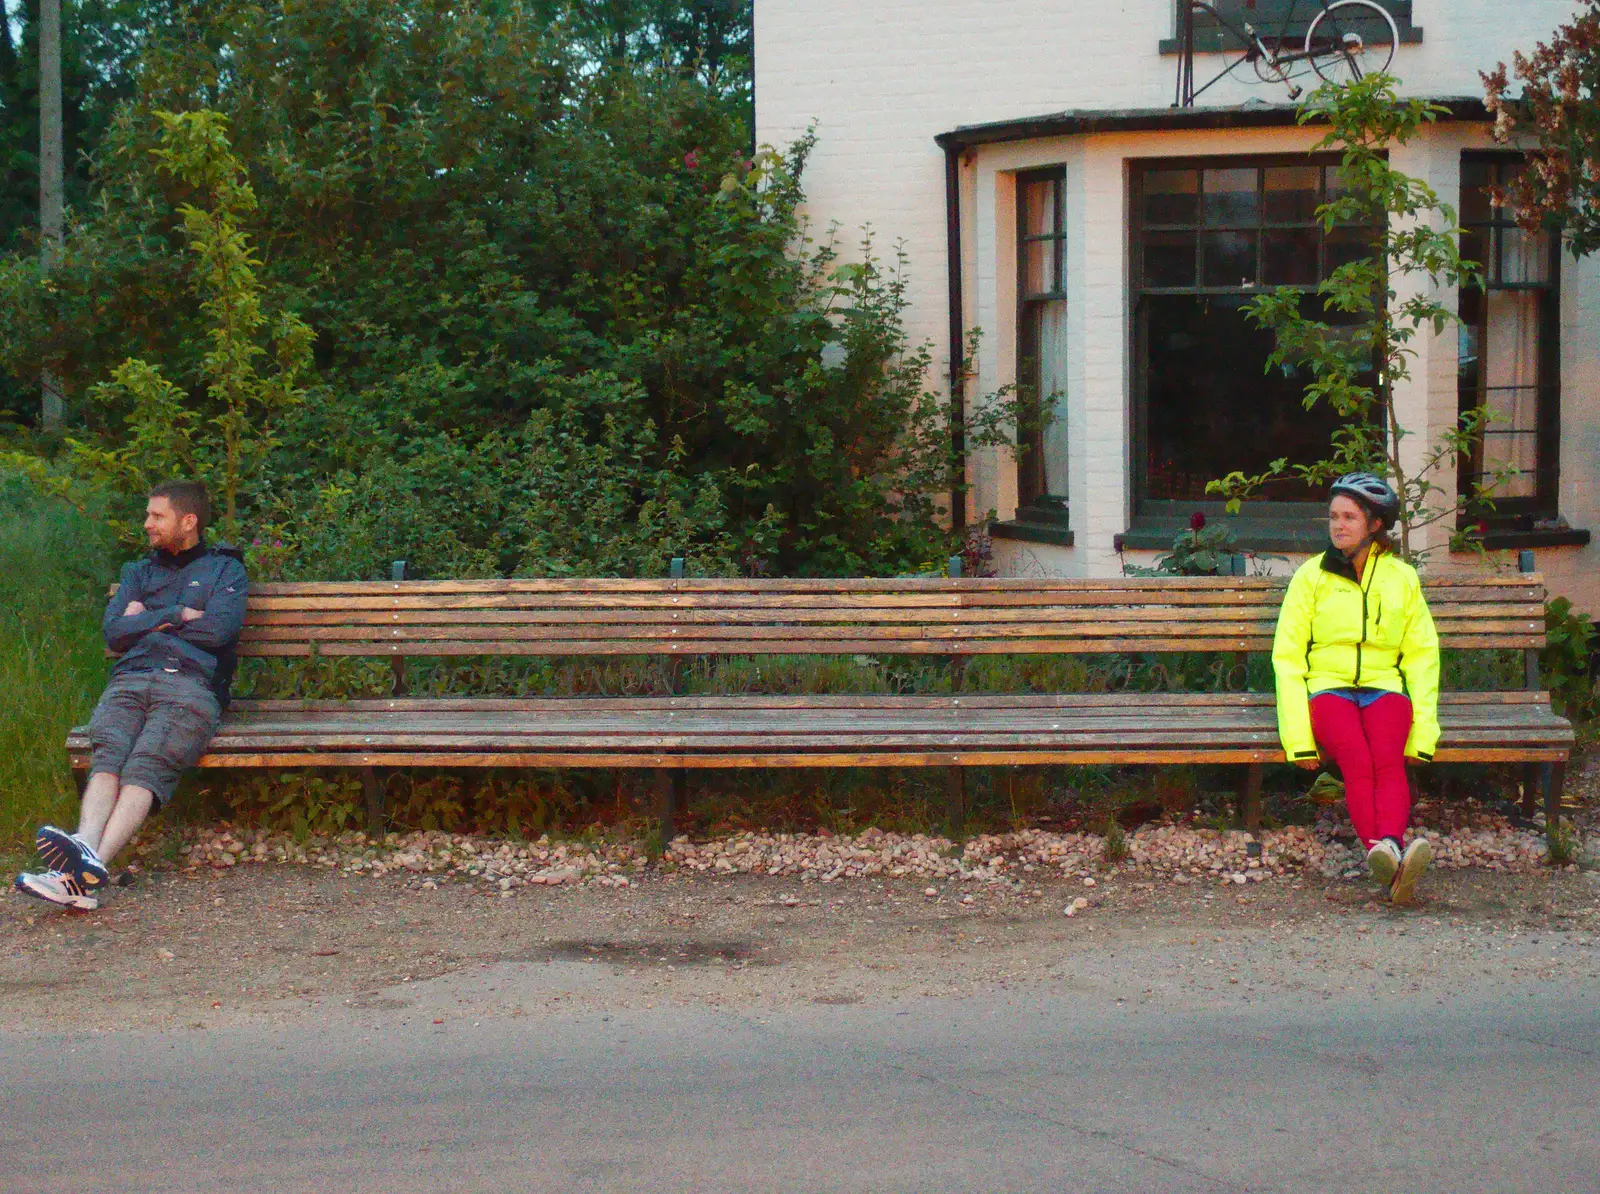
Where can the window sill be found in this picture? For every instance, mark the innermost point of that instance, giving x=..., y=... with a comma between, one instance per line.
x=1301, y=536
x=1500, y=540
x=1032, y=532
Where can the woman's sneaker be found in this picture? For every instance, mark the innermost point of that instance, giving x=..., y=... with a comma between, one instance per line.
x=1383, y=860
x=1412, y=863
x=69, y=853
x=54, y=887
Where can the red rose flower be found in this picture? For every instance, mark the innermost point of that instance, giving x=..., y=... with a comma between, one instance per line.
x=692, y=159
x=1197, y=521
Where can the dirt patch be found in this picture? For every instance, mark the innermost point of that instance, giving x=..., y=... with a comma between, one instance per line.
x=651, y=953
x=282, y=942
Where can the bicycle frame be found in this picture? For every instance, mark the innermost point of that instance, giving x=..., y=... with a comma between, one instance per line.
x=1256, y=49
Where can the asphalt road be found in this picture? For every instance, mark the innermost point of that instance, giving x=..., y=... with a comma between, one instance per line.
x=1005, y=1091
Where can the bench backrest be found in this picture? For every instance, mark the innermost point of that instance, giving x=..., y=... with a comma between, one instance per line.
x=896, y=617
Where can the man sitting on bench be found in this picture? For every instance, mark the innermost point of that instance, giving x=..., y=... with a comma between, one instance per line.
x=173, y=624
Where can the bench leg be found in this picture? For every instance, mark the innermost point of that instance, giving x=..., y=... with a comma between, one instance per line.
x=1555, y=778
x=80, y=780
x=955, y=795
x=672, y=799
x=1248, y=811
x=373, y=790
x=1532, y=785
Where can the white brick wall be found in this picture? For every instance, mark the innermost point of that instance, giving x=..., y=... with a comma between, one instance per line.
x=880, y=78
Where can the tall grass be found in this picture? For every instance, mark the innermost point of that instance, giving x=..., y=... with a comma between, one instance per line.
x=54, y=567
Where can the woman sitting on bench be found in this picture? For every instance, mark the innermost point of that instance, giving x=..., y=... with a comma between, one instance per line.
x=1357, y=666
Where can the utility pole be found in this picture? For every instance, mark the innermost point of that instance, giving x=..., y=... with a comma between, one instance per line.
x=52, y=181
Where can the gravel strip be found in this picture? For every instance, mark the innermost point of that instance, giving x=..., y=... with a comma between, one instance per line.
x=1180, y=854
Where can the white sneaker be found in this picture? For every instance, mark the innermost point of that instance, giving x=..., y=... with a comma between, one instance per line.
x=53, y=887
x=70, y=854
x=1383, y=860
x=1412, y=863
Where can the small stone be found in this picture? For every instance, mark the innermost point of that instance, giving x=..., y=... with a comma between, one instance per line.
x=166, y=955
x=930, y=891
x=1239, y=878
x=1088, y=882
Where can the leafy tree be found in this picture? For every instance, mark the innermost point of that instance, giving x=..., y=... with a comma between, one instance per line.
x=1355, y=358
x=1560, y=105
x=230, y=442
x=563, y=319
x=99, y=42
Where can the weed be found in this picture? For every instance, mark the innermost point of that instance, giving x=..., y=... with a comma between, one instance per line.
x=1116, y=848
x=1563, y=844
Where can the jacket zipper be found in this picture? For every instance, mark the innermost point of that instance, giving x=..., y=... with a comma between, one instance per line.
x=1372, y=562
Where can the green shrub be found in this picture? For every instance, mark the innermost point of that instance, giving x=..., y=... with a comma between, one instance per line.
x=1568, y=656
x=563, y=322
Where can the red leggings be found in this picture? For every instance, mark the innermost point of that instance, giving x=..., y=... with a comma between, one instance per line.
x=1369, y=748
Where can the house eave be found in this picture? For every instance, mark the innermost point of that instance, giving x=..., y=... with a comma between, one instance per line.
x=1082, y=122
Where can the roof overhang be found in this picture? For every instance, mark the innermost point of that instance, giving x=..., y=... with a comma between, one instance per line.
x=1082, y=122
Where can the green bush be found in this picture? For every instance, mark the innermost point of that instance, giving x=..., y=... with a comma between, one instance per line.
x=1568, y=656
x=564, y=322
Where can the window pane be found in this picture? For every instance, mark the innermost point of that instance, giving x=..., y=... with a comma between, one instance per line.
x=1524, y=257
x=1229, y=259
x=1039, y=267
x=1169, y=259
x=1047, y=337
x=1334, y=189
x=1170, y=196
x=1289, y=257
x=1039, y=208
x=1476, y=177
x=1511, y=388
x=1467, y=344
x=1289, y=194
x=1474, y=247
x=1345, y=245
x=1210, y=407
x=1230, y=197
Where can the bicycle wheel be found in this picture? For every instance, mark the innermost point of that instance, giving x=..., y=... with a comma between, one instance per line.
x=1351, y=38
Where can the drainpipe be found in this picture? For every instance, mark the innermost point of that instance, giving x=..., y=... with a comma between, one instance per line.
x=958, y=363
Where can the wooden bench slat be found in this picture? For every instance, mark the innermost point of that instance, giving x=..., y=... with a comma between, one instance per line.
x=1266, y=614
x=398, y=598
x=1161, y=701
x=417, y=632
x=1524, y=580
x=699, y=761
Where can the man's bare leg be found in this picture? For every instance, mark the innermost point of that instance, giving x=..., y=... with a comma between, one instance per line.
x=99, y=799
x=132, y=807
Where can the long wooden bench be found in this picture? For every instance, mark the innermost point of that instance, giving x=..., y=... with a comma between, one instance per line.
x=952, y=618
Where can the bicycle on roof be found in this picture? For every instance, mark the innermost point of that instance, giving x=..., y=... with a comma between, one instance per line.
x=1345, y=40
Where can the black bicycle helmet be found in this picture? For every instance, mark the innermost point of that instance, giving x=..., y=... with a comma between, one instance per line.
x=1371, y=491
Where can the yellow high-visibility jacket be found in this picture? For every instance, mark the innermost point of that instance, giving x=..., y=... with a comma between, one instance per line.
x=1337, y=630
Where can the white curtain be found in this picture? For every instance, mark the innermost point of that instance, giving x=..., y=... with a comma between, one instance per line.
x=1511, y=376
x=1052, y=344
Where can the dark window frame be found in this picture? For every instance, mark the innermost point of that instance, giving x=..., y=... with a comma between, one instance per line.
x=1144, y=506
x=1545, y=500
x=1030, y=430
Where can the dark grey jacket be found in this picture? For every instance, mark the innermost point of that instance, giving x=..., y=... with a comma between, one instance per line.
x=204, y=578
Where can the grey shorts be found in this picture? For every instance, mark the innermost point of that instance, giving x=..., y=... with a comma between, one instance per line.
x=149, y=727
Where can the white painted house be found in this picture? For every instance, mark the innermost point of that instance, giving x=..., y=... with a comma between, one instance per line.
x=1048, y=193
